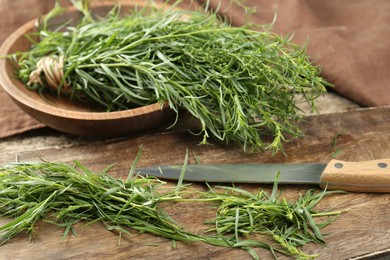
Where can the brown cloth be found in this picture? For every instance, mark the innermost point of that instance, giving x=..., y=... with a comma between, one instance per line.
x=349, y=40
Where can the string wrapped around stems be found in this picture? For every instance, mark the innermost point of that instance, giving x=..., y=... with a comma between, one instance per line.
x=52, y=69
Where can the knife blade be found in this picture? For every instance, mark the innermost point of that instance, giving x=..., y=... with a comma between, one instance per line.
x=364, y=176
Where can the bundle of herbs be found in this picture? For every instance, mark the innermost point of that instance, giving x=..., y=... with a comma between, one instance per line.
x=240, y=83
x=65, y=194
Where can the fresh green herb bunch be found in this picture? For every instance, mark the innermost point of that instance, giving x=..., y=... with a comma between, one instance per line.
x=288, y=224
x=65, y=195
x=239, y=83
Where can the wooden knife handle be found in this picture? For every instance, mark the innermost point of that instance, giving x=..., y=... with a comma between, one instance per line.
x=365, y=176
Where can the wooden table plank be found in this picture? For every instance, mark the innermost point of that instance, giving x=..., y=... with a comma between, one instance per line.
x=362, y=134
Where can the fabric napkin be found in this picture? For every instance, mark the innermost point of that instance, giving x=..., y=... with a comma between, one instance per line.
x=349, y=40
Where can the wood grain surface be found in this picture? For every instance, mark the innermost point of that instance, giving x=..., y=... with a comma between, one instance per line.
x=351, y=136
x=362, y=176
x=361, y=233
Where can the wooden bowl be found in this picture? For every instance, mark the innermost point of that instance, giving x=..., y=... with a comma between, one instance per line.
x=68, y=116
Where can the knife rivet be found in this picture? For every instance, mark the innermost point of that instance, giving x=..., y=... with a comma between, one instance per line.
x=338, y=165
x=382, y=165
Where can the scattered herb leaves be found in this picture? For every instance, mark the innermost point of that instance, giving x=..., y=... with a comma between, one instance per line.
x=64, y=195
x=30, y=191
x=242, y=215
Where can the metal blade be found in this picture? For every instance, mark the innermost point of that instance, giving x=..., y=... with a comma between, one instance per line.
x=306, y=173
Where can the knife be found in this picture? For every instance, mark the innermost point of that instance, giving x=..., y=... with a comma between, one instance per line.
x=364, y=176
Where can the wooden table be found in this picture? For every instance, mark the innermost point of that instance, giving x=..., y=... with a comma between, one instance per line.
x=362, y=134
